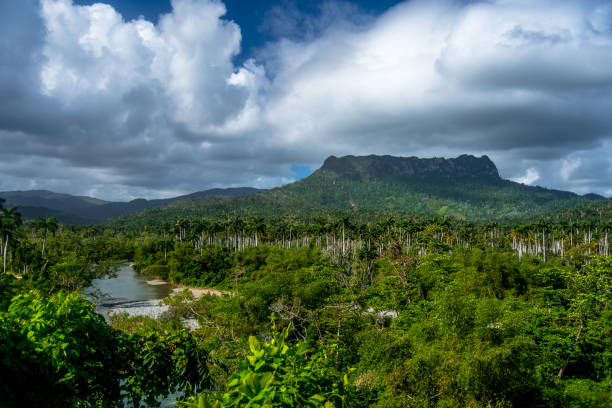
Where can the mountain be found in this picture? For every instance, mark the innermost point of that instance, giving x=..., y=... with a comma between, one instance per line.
x=465, y=187
x=49, y=199
x=380, y=167
x=82, y=209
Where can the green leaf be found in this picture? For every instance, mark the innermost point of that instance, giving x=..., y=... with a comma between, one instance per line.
x=254, y=344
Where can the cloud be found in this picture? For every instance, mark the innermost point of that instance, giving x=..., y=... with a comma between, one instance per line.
x=126, y=108
x=568, y=167
x=526, y=83
x=530, y=177
x=92, y=103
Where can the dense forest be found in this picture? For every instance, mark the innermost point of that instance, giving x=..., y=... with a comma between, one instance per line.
x=329, y=309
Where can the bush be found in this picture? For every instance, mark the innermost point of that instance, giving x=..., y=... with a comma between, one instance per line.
x=276, y=374
x=58, y=349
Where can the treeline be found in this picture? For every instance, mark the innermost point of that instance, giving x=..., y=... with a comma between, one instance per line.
x=345, y=239
x=45, y=255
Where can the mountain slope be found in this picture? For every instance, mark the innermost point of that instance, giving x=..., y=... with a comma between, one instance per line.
x=51, y=200
x=81, y=209
x=466, y=187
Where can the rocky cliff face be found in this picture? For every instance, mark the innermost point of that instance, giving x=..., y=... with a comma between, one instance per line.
x=364, y=167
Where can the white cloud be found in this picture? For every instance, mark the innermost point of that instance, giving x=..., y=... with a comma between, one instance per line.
x=442, y=74
x=568, y=167
x=530, y=177
x=92, y=52
x=139, y=108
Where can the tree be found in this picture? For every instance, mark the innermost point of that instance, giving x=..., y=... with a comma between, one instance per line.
x=60, y=351
x=47, y=225
x=591, y=294
x=10, y=221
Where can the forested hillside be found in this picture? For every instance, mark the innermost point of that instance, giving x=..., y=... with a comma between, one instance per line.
x=467, y=188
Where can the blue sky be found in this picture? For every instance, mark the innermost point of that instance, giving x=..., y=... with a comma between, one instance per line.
x=95, y=101
x=251, y=16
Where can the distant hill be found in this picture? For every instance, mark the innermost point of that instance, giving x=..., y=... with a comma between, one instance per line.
x=51, y=200
x=32, y=212
x=465, y=187
x=82, y=209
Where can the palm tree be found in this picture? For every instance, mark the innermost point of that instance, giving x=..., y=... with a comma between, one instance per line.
x=236, y=226
x=10, y=221
x=344, y=223
x=48, y=224
x=258, y=227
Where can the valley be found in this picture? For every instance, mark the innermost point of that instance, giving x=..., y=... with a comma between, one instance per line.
x=411, y=282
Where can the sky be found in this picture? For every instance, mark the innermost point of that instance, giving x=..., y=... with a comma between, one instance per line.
x=152, y=98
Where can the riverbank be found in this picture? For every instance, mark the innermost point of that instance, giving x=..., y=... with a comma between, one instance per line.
x=137, y=295
x=198, y=292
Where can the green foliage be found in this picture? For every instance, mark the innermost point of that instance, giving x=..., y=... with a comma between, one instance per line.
x=430, y=311
x=166, y=362
x=156, y=271
x=590, y=288
x=206, y=267
x=56, y=351
x=276, y=374
x=296, y=279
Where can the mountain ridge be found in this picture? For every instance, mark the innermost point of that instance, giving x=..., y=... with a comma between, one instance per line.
x=466, y=187
x=74, y=209
x=383, y=166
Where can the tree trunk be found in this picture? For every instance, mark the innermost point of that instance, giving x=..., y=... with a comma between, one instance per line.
x=43, y=246
x=562, y=371
x=6, y=240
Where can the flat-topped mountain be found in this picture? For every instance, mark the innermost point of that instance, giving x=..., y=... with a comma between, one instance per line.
x=374, y=166
x=466, y=187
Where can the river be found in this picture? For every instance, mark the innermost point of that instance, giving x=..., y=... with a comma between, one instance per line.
x=128, y=292
x=135, y=294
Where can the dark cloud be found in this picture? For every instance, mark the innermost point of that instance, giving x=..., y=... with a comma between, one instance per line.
x=94, y=104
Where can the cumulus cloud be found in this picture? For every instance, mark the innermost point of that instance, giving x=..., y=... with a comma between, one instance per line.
x=92, y=103
x=530, y=177
x=526, y=83
x=127, y=108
